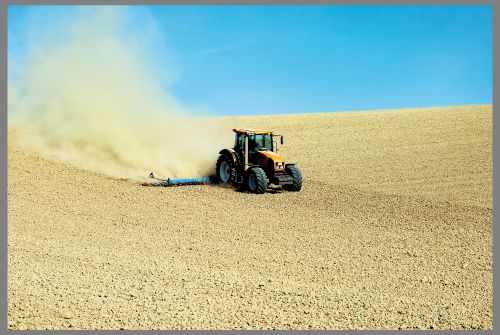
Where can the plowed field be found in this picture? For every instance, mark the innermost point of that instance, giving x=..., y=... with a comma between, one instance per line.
x=392, y=230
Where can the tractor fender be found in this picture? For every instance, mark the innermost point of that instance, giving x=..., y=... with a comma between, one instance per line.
x=231, y=153
x=225, y=150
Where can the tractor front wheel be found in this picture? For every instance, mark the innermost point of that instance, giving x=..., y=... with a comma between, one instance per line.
x=257, y=181
x=294, y=171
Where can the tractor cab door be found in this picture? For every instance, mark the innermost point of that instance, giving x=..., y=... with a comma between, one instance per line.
x=239, y=144
x=252, y=147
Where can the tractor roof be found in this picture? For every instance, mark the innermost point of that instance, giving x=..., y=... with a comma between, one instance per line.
x=251, y=131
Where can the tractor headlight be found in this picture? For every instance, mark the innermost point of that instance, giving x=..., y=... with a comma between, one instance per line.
x=279, y=165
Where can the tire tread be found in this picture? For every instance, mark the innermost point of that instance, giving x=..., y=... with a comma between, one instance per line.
x=294, y=171
x=261, y=180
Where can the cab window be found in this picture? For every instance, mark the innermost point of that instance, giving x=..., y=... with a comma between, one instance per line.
x=240, y=142
x=263, y=141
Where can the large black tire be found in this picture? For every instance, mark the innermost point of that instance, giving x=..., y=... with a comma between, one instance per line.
x=257, y=180
x=223, y=169
x=294, y=171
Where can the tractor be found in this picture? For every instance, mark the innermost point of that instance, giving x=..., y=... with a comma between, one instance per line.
x=253, y=163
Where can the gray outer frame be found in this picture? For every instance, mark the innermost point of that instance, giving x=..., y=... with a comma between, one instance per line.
x=3, y=132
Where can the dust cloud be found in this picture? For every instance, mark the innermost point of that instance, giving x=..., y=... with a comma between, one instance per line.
x=94, y=100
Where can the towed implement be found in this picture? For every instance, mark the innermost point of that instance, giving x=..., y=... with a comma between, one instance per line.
x=179, y=182
x=253, y=164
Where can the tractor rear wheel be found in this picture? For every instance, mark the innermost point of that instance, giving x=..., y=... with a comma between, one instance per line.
x=257, y=180
x=223, y=169
x=294, y=171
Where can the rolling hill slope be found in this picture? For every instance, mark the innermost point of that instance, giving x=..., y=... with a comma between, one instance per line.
x=392, y=229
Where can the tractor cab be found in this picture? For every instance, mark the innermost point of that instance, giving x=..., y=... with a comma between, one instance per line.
x=258, y=140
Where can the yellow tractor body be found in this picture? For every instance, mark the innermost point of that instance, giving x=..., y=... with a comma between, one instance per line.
x=254, y=163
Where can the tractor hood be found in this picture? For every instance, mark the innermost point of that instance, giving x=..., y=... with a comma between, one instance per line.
x=264, y=158
x=273, y=156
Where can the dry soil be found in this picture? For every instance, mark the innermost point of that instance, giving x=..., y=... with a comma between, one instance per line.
x=392, y=229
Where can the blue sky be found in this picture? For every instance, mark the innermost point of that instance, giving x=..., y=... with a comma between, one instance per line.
x=232, y=60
